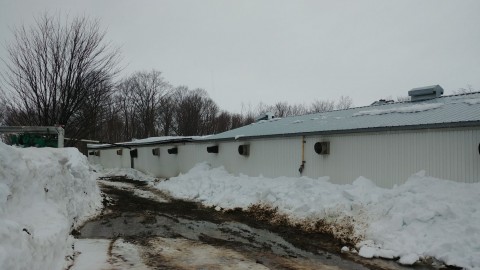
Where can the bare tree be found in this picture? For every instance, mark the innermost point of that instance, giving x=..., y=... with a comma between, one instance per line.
x=280, y=109
x=343, y=103
x=223, y=122
x=465, y=90
x=60, y=73
x=3, y=107
x=195, y=112
x=239, y=120
x=140, y=99
x=112, y=125
x=322, y=106
x=166, y=117
x=208, y=116
x=298, y=109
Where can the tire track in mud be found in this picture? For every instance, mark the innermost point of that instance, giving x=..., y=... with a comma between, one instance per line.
x=176, y=234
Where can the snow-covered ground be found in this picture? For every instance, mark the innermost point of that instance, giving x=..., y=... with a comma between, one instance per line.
x=44, y=194
x=101, y=254
x=425, y=217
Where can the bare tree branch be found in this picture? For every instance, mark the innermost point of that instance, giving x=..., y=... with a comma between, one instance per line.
x=60, y=73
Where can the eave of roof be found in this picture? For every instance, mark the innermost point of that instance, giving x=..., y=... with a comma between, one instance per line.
x=136, y=144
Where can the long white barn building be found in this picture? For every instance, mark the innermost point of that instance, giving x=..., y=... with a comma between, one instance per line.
x=386, y=143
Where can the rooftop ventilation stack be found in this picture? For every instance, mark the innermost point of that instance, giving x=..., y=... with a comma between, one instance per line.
x=265, y=116
x=424, y=93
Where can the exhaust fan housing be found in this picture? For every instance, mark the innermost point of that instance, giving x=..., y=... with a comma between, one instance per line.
x=212, y=149
x=244, y=149
x=322, y=148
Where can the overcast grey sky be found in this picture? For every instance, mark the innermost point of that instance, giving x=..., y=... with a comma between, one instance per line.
x=295, y=51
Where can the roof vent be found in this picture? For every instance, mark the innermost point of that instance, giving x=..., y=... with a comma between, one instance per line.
x=382, y=102
x=265, y=116
x=424, y=93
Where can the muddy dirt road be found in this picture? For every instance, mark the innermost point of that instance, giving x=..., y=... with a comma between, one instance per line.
x=141, y=228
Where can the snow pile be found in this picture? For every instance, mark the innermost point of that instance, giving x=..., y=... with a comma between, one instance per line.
x=425, y=217
x=44, y=193
x=428, y=217
x=403, y=109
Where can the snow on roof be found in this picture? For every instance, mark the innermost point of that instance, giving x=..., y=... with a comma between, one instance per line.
x=403, y=109
x=442, y=112
x=149, y=141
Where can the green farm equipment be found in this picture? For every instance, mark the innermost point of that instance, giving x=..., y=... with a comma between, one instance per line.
x=31, y=136
x=34, y=140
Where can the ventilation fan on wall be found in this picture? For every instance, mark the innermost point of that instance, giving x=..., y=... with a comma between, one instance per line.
x=322, y=148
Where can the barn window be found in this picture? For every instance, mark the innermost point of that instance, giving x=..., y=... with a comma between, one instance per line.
x=322, y=148
x=173, y=150
x=156, y=151
x=120, y=152
x=91, y=153
x=244, y=149
x=134, y=153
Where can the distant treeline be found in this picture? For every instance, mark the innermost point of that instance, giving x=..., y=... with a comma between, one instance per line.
x=145, y=105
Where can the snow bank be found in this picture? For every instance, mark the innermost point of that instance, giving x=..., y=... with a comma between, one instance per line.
x=425, y=217
x=44, y=193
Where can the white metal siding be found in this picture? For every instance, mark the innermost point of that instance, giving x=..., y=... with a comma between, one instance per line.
x=193, y=153
x=147, y=162
x=268, y=157
x=165, y=165
x=390, y=158
x=387, y=158
x=110, y=159
x=125, y=158
x=93, y=159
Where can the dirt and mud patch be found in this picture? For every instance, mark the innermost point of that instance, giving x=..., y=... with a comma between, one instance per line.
x=258, y=234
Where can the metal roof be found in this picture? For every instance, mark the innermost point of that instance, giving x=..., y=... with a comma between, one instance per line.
x=146, y=141
x=446, y=111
